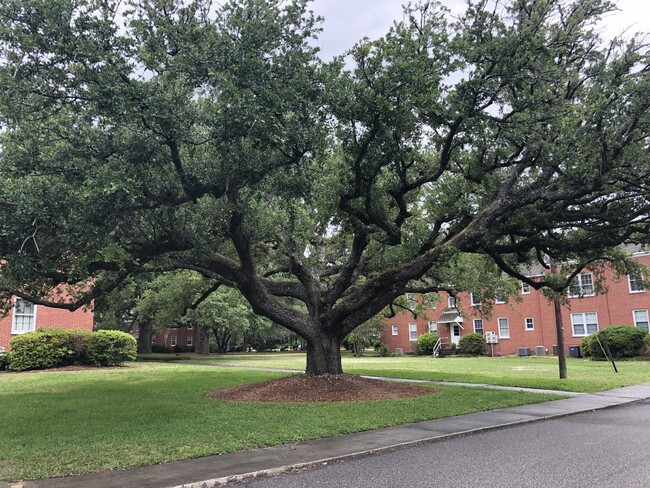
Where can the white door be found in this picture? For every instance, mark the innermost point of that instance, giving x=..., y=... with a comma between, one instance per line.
x=455, y=333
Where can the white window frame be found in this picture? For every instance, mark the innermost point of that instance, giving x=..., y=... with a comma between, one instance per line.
x=473, y=301
x=506, y=334
x=393, y=329
x=189, y=341
x=525, y=288
x=500, y=300
x=452, y=302
x=433, y=327
x=14, y=329
x=190, y=327
x=413, y=329
x=431, y=303
x=529, y=321
x=173, y=341
x=634, y=285
x=482, y=327
x=410, y=297
x=579, y=286
x=646, y=321
x=582, y=317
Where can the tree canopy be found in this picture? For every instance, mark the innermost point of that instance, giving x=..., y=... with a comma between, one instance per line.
x=180, y=135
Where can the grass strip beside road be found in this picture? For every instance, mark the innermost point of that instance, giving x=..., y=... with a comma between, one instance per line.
x=528, y=372
x=69, y=422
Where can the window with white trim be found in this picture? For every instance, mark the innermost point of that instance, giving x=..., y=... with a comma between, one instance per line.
x=433, y=327
x=529, y=324
x=635, y=282
x=500, y=298
x=504, y=328
x=641, y=319
x=478, y=326
x=410, y=296
x=393, y=329
x=24, y=319
x=431, y=303
x=525, y=288
x=584, y=324
x=190, y=327
x=582, y=286
x=189, y=340
x=413, y=331
x=173, y=340
x=475, y=301
x=451, y=301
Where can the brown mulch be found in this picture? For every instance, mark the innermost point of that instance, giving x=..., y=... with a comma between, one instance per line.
x=328, y=388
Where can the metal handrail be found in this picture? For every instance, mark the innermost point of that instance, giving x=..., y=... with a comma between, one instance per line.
x=437, y=346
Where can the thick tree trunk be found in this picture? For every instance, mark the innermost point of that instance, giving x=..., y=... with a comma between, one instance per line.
x=559, y=329
x=324, y=356
x=202, y=340
x=144, y=337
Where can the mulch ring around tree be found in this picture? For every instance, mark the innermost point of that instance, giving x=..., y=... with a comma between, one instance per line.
x=327, y=388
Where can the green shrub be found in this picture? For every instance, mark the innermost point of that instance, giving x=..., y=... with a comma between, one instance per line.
x=472, y=344
x=111, y=348
x=585, y=345
x=5, y=359
x=646, y=340
x=383, y=350
x=426, y=342
x=159, y=349
x=49, y=348
x=623, y=341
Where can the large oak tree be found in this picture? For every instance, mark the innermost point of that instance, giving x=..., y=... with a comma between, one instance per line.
x=178, y=135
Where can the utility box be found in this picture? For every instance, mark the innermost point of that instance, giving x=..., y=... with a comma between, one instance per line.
x=540, y=351
x=399, y=351
x=523, y=351
x=556, y=350
x=574, y=352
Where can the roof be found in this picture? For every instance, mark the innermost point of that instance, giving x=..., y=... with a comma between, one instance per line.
x=450, y=316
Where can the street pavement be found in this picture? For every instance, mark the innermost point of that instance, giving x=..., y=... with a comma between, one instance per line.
x=213, y=471
x=606, y=448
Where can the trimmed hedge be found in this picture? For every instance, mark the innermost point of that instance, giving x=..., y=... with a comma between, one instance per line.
x=472, y=344
x=54, y=348
x=111, y=348
x=426, y=342
x=624, y=342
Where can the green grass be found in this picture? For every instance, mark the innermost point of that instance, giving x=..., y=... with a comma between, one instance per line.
x=59, y=423
x=531, y=372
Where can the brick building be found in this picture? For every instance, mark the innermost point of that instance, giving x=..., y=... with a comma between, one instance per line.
x=26, y=317
x=529, y=323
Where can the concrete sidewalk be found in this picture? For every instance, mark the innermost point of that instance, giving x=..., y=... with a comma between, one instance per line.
x=211, y=471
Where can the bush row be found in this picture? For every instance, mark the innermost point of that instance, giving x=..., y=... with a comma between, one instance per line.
x=54, y=348
x=623, y=342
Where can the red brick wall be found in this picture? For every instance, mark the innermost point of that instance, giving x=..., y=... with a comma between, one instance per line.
x=613, y=308
x=51, y=318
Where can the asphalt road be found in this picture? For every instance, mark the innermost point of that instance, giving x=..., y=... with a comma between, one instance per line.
x=606, y=448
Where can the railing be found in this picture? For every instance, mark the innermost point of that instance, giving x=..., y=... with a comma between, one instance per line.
x=437, y=346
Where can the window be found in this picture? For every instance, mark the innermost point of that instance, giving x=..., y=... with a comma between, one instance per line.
x=525, y=288
x=500, y=297
x=410, y=297
x=476, y=301
x=582, y=286
x=636, y=283
x=504, y=328
x=190, y=327
x=393, y=329
x=413, y=331
x=433, y=327
x=431, y=303
x=641, y=319
x=529, y=324
x=584, y=324
x=173, y=343
x=451, y=301
x=478, y=326
x=24, y=319
x=189, y=340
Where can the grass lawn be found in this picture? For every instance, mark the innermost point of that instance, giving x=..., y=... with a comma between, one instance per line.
x=531, y=372
x=66, y=422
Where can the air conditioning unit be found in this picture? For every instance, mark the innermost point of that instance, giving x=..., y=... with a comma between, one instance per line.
x=491, y=338
x=399, y=351
x=523, y=351
x=540, y=351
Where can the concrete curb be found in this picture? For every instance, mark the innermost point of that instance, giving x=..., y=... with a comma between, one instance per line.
x=218, y=482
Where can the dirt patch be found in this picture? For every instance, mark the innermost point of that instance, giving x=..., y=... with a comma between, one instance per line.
x=331, y=388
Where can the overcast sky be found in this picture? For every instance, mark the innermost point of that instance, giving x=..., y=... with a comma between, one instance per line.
x=347, y=21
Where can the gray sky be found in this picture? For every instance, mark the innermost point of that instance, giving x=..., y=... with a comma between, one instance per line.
x=347, y=21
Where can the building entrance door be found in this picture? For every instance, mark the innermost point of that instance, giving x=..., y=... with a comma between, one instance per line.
x=455, y=333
